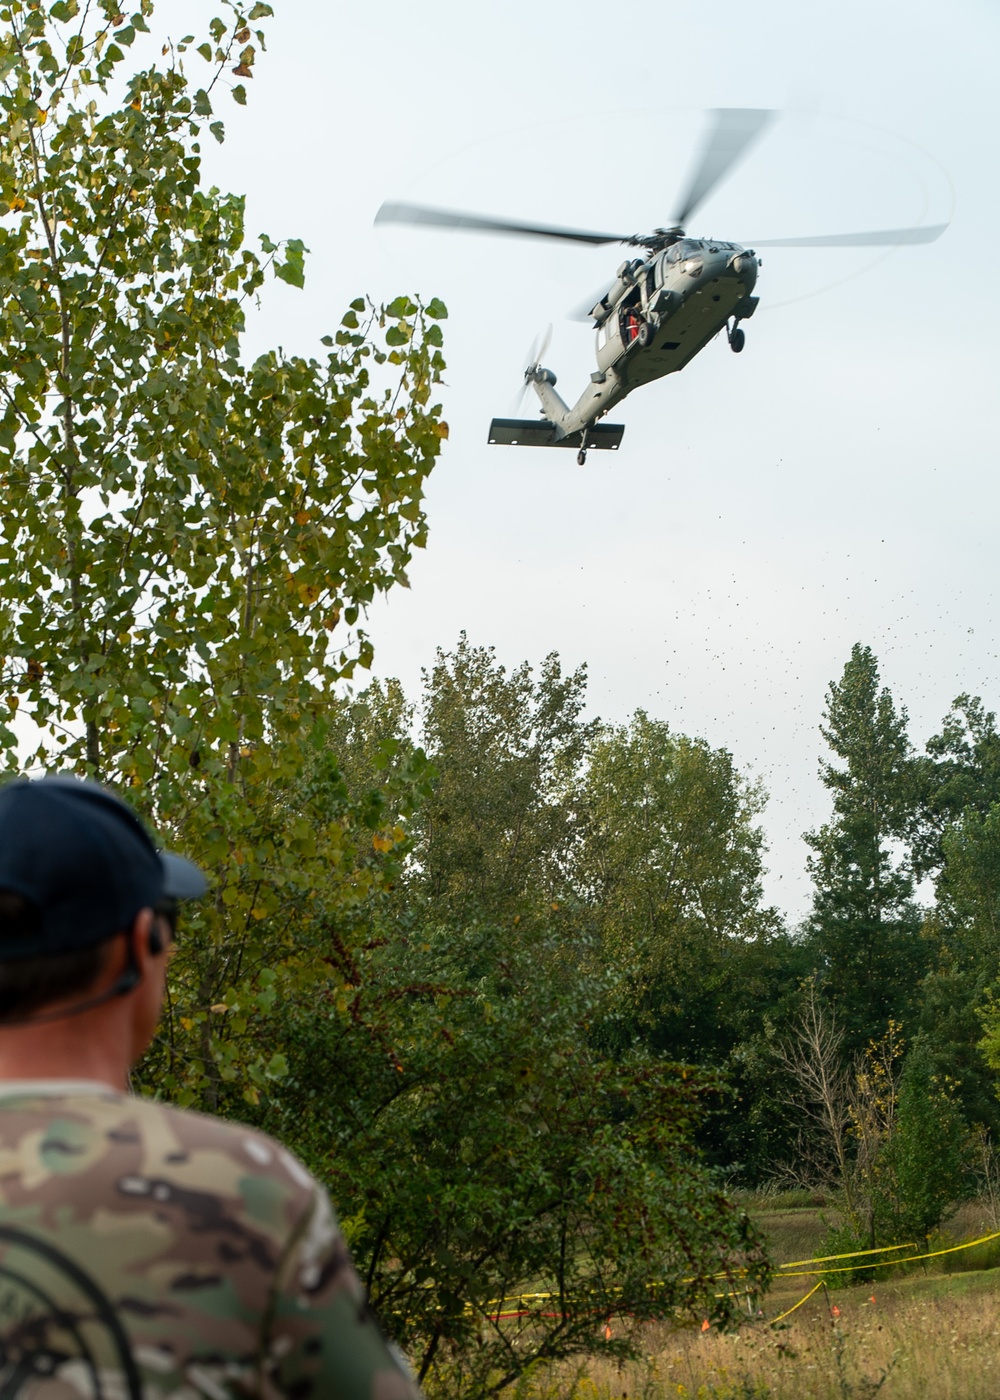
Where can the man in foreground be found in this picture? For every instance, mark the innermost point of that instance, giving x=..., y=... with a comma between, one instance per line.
x=144, y=1251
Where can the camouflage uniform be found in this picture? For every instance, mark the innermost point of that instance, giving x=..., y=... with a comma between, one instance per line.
x=147, y=1252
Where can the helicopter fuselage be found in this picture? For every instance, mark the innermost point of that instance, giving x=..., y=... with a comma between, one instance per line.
x=655, y=318
x=665, y=306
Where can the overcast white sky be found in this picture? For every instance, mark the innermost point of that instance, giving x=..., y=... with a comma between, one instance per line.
x=835, y=483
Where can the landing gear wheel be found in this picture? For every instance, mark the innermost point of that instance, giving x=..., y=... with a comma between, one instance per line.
x=645, y=335
x=581, y=457
x=737, y=340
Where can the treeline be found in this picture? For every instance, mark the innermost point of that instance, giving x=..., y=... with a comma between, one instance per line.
x=565, y=1024
x=650, y=843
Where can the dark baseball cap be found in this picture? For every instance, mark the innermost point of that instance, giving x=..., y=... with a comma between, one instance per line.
x=84, y=860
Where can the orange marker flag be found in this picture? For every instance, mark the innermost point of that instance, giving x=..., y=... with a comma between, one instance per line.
x=705, y=1325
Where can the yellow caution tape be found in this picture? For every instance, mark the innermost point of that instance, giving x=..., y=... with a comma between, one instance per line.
x=788, y=1311
x=890, y=1263
x=851, y=1254
x=803, y=1272
x=953, y=1249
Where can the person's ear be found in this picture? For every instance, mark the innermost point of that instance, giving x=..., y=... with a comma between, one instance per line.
x=155, y=942
x=147, y=939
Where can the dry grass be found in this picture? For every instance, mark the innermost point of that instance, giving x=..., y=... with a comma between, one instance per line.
x=796, y=1234
x=932, y=1333
x=923, y=1339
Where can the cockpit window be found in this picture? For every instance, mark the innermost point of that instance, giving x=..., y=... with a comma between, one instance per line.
x=684, y=248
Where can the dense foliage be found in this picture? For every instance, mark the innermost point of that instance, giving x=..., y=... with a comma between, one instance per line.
x=494, y=1147
x=601, y=886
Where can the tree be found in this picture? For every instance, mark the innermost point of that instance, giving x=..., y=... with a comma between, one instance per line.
x=447, y=1083
x=907, y=1163
x=189, y=540
x=864, y=926
x=957, y=839
x=969, y=888
x=927, y=1153
x=506, y=1188
x=669, y=862
x=959, y=773
x=812, y=1058
x=494, y=839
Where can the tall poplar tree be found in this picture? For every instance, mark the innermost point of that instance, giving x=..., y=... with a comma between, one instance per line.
x=188, y=539
x=864, y=925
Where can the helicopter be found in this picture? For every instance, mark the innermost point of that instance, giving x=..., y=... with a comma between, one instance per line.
x=664, y=305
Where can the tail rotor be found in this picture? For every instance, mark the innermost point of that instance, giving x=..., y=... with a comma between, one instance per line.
x=536, y=355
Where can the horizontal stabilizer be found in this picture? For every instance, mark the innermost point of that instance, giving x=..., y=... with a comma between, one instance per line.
x=539, y=432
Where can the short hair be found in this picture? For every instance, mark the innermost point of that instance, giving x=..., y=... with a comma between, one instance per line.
x=30, y=984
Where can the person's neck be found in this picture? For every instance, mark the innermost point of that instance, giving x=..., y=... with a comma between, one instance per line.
x=76, y=1047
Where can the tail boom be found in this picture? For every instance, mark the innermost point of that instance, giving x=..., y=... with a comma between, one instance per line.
x=603, y=392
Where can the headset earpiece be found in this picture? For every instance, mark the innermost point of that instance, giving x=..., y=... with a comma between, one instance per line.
x=155, y=940
x=126, y=983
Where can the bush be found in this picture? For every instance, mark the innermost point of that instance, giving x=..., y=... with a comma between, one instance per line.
x=481, y=1150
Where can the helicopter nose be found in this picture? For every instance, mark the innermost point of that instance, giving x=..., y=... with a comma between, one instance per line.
x=744, y=264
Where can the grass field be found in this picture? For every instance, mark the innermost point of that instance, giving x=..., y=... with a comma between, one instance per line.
x=930, y=1332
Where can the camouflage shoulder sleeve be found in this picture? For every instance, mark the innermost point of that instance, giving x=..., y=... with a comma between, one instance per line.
x=321, y=1338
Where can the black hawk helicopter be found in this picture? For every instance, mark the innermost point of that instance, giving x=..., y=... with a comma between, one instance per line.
x=663, y=306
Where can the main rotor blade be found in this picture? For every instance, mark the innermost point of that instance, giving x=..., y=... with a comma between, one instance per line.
x=728, y=138
x=581, y=312
x=879, y=238
x=393, y=212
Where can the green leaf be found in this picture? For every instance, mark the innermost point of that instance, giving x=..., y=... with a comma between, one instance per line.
x=240, y=94
x=206, y=52
x=260, y=11
x=402, y=306
x=292, y=270
x=436, y=310
x=218, y=130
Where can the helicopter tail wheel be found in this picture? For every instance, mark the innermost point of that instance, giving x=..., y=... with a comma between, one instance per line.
x=737, y=339
x=645, y=334
x=581, y=457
